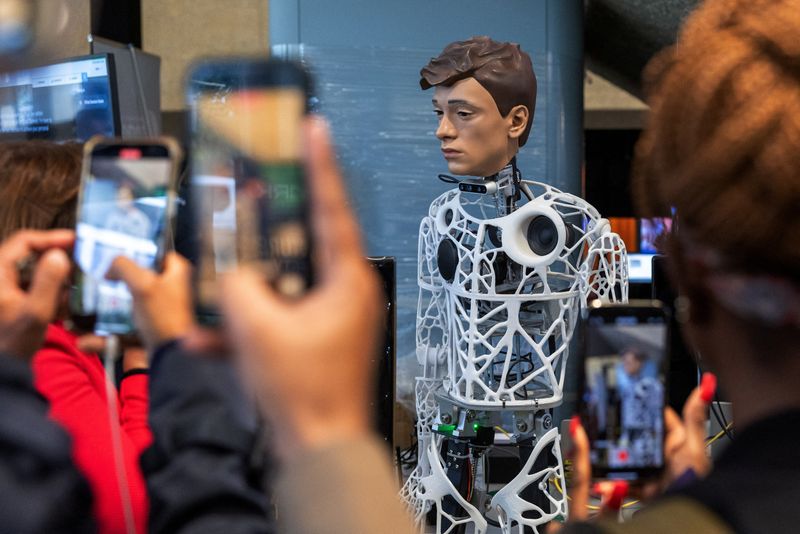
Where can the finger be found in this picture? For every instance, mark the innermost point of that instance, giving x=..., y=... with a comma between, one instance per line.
x=47, y=284
x=136, y=277
x=336, y=230
x=582, y=471
x=176, y=268
x=695, y=410
x=21, y=244
x=676, y=433
x=613, y=499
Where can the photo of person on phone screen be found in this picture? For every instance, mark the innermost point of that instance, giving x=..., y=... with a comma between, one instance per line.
x=641, y=400
x=125, y=217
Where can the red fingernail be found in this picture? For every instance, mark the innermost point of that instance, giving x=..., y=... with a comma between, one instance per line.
x=597, y=488
x=574, y=423
x=618, y=493
x=708, y=387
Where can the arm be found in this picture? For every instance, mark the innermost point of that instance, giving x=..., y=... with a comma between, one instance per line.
x=200, y=470
x=75, y=385
x=40, y=489
x=133, y=396
x=604, y=273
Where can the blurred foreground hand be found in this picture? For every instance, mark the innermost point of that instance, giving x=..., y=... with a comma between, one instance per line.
x=310, y=360
x=25, y=313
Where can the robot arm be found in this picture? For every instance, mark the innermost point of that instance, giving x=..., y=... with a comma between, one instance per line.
x=432, y=332
x=604, y=274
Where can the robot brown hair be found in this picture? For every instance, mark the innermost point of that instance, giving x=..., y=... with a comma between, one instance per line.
x=504, y=70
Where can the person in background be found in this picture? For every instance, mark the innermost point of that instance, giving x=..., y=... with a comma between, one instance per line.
x=39, y=183
x=721, y=149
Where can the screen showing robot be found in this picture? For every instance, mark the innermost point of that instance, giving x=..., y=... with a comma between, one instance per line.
x=122, y=212
x=70, y=100
x=624, y=391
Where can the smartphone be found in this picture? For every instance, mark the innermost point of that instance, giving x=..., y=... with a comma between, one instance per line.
x=623, y=390
x=125, y=208
x=248, y=185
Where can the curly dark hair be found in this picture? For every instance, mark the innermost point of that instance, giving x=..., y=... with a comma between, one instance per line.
x=723, y=138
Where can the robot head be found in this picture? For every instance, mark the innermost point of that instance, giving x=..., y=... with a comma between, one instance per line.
x=485, y=98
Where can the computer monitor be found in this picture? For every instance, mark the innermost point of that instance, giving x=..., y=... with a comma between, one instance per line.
x=138, y=86
x=642, y=239
x=70, y=100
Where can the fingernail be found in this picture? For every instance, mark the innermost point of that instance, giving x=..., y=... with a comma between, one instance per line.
x=574, y=423
x=597, y=488
x=618, y=493
x=708, y=387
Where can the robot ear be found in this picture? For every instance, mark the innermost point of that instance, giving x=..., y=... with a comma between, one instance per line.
x=518, y=119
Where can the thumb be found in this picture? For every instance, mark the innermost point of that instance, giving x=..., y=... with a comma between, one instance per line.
x=48, y=281
x=696, y=408
x=126, y=270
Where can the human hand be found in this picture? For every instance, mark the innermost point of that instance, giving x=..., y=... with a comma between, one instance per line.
x=311, y=360
x=685, y=444
x=684, y=450
x=162, y=302
x=24, y=314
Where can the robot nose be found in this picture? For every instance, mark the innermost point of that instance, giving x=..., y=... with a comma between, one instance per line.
x=445, y=129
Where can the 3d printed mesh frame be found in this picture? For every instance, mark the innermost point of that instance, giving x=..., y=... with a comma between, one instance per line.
x=504, y=339
x=511, y=312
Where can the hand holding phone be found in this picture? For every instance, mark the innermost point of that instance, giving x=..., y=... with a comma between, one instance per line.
x=623, y=391
x=125, y=208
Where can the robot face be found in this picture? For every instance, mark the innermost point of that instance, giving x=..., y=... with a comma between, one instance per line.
x=474, y=136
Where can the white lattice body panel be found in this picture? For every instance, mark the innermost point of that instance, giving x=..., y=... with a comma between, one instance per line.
x=500, y=296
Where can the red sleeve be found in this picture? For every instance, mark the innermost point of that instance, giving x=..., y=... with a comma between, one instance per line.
x=74, y=383
x=133, y=394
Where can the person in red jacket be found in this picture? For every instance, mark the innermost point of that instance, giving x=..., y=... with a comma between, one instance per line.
x=39, y=184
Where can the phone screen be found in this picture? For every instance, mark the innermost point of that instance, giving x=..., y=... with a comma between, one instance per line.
x=623, y=390
x=124, y=211
x=248, y=184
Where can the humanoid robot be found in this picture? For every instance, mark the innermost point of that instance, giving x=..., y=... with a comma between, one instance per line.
x=505, y=264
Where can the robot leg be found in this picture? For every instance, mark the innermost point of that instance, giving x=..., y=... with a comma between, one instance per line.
x=539, y=477
x=453, y=512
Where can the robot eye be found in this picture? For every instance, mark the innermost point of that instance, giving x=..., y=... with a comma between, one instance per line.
x=542, y=235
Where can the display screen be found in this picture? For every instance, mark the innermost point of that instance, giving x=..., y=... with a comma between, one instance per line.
x=123, y=212
x=644, y=238
x=623, y=392
x=70, y=100
x=248, y=185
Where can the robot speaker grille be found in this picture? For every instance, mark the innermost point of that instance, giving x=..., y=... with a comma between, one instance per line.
x=542, y=235
x=447, y=259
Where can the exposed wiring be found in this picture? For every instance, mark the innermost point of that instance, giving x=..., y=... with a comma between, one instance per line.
x=446, y=178
x=504, y=431
x=719, y=434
